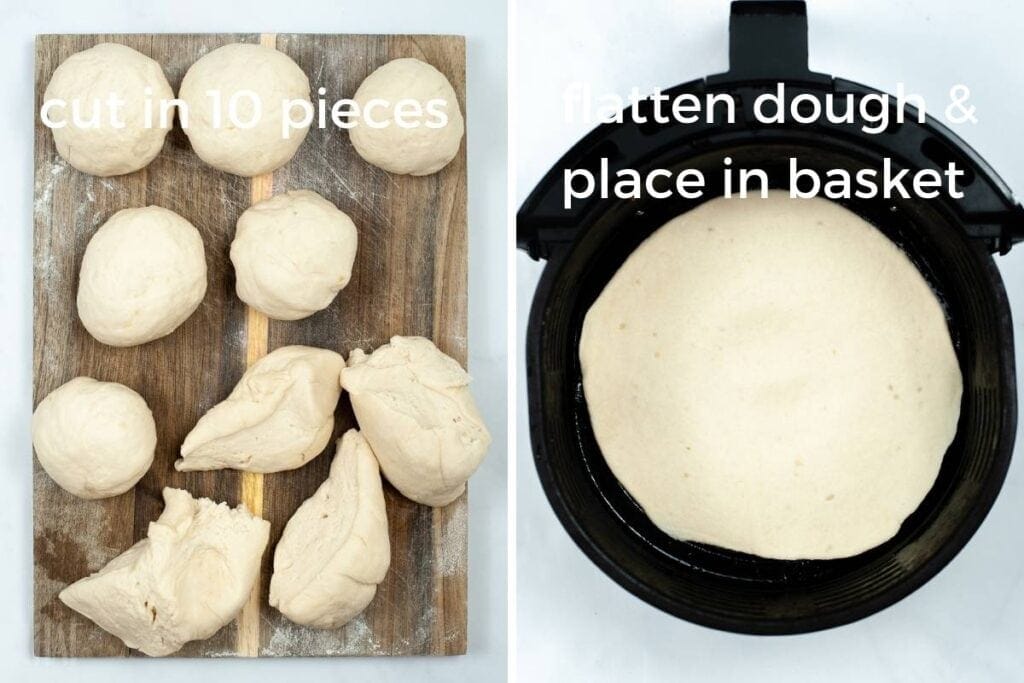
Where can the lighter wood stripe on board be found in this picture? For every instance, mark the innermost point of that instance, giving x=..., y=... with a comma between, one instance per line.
x=257, y=333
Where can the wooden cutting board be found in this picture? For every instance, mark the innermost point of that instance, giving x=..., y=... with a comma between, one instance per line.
x=409, y=278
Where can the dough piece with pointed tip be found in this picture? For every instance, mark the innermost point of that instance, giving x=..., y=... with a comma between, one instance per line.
x=415, y=409
x=335, y=548
x=189, y=577
x=279, y=416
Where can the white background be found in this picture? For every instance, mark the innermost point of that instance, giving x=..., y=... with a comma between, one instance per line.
x=574, y=623
x=483, y=25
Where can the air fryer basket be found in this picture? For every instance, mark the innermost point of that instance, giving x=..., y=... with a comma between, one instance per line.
x=949, y=241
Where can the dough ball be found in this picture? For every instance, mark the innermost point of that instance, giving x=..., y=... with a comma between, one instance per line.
x=143, y=274
x=773, y=376
x=415, y=409
x=418, y=150
x=95, y=439
x=187, y=579
x=274, y=78
x=292, y=254
x=335, y=548
x=278, y=417
x=95, y=74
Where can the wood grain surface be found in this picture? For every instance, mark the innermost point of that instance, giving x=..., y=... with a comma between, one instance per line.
x=409, y=278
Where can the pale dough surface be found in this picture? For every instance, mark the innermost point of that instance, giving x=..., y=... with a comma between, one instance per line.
x=95, y=439
x=335, y=548
x=188, y=578
x=278, y=417
x=292, y=254
x=92, y=76
x=416, y=150
x=143, y=274
x=414, y=407
x=772, y=376
x=274, y=78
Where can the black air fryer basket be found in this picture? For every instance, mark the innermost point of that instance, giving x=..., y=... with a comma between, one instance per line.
x=950, y=241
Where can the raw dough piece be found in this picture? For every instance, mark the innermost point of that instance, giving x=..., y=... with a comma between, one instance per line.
x=278, y=417
x=143, y=274
x=274, y=78
x=292, y=254
x=772, y=376
x=419, y=150
x=96, y=74
x=414, y=407
x=95, y=439
x=189, y=577
x=335, y=548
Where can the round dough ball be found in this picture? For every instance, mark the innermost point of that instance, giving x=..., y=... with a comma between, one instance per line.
x=292, y=254
x=419, y=150
x=95, y=439
x=274, y=78
x=143, y=274
x=95, y=74
x=772, y=376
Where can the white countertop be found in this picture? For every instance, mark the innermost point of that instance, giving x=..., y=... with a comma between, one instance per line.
x=484, y=28
x=574, y=623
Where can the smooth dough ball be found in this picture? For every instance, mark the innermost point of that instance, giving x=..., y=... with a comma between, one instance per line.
x=419, y=150
x=274, y=78
x=143, y=274
x=773, y=376
x=190, y=576
x=95, y=74
x=335, y=548
x=415, y=409
x=95, y=439
x=292, y=254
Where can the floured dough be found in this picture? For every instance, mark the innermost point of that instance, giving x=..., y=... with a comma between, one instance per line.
x=415, y=150
x=415, y=409
x=95, y=439
x=143, y=274
x=269, y=74
x=772, y=376
x=190, y=576
x=278, y=417
x=292, y=254
x=335, y=548
x=94, y=75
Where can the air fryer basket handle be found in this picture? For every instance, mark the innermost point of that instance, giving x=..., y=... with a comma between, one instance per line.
x=768, y=40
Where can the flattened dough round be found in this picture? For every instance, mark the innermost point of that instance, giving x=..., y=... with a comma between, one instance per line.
x=772, y=376
x=416, y=149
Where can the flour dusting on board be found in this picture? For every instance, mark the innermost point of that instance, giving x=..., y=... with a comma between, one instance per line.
x=412, y=275
x=287, y=639
x=453, y=549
